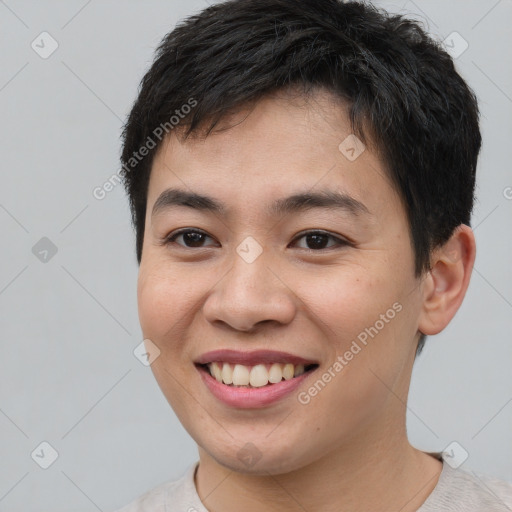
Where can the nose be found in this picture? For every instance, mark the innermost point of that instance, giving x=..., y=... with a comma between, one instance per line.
x=250, y=294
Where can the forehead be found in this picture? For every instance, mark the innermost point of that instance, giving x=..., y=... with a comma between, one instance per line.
x=279, y=147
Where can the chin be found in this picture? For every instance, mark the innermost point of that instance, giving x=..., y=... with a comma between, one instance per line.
x=258, y=457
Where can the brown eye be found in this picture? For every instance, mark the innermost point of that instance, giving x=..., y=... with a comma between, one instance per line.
x=191, y=238
x=318, y=240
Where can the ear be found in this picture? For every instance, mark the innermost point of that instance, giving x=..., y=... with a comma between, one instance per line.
x=445, y=284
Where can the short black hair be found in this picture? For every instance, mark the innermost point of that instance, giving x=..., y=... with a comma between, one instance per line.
x=401, y=87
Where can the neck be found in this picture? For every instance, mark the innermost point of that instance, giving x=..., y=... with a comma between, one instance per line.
x=358, y=476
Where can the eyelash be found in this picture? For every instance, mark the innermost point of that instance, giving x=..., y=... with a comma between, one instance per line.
x=170, y=239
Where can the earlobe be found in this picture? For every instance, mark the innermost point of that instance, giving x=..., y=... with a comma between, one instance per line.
x=447, y=281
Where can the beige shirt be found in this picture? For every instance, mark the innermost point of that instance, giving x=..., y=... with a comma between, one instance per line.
x=456, y=491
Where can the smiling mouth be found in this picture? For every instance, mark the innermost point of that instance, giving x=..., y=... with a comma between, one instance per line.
x=254, y=376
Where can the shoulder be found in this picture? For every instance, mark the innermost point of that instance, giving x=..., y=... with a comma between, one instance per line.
x=462, y=491
x=153, y=499
x=177, y=492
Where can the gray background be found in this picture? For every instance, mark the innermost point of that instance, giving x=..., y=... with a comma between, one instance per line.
x=69, y=325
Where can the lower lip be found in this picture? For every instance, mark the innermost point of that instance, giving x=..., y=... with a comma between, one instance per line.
x=251, y=398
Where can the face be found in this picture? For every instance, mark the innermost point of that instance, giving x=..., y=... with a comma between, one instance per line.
x=270, y=278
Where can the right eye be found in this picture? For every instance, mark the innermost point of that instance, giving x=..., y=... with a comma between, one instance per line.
x=192, y=238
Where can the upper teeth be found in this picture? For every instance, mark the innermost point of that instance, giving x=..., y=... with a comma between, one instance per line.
x=256, y=376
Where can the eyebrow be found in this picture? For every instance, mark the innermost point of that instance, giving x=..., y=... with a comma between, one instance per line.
x=295, y=203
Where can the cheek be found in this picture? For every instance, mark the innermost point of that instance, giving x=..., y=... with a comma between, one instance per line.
x=165, y=304
x=349, y=302
x=352, y=390
x=368, y=322
x=165, y=300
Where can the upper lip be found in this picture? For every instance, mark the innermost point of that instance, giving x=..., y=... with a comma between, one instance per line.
x=249, y=358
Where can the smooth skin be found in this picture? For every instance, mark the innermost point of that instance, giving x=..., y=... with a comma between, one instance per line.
x=347, y=449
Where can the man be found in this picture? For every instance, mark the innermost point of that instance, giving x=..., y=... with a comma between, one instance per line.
x=301, y=179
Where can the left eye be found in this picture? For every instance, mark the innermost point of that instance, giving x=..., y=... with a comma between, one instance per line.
x=318, y=240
